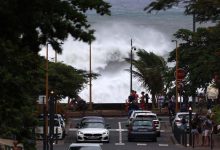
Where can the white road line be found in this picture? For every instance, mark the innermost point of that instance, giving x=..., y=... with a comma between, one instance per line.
x=163, y=144
x=72, y=129
x=162, y=130
x=120, y=133
x=141, y=144
x=119, y=143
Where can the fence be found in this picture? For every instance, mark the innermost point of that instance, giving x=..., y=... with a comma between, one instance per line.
x=183, y=137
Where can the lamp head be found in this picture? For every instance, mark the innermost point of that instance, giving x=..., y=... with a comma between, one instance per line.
x=134, y=48
x=190, y=108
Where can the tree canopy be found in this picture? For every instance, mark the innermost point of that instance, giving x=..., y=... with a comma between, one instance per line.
x=37, y=22
x=204, y=10
x=27, y=26
x=150, y=70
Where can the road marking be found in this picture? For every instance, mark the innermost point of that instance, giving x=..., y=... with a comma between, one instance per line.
x=120, y=134
x=162, y=130
x=72, y=129
x=163, y=144
x=141, y=144
x=119, y=143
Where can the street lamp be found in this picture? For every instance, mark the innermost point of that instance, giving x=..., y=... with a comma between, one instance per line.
x=45, y=145
x=131, y=60
x=190, y=126
x=176, y=75
x=90, y=76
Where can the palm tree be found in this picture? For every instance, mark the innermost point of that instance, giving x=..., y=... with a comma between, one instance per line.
x=150, y=69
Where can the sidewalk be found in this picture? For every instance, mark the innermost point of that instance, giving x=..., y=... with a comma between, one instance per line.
x=216, y=146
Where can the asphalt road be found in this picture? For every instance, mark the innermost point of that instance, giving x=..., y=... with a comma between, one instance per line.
x=118, y=137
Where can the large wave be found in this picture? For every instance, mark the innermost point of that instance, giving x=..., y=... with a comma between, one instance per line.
x=113, y=35
x=111, y=46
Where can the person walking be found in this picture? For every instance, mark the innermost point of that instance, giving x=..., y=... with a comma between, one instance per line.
x=195, y=128
x=207, y=130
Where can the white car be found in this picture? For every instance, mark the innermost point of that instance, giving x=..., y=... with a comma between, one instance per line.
x=92, y=132
x=59, y=132
x=153, y=117
x=134, y=112
x=178, y=118
x=84, y=146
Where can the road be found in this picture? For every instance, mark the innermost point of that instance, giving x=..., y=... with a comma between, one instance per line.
x=118, y=137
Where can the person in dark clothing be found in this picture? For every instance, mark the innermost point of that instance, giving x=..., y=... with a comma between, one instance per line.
x=131, y=97
x=195, y=124
x=146, y=101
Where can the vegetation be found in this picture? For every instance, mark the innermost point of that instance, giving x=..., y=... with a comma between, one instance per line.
x=150, y=70
x=199, y=51
x=27, y=26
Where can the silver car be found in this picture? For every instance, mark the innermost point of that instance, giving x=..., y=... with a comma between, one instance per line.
x=178, y=118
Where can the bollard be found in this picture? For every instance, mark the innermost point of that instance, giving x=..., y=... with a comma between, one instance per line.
x=56, y=141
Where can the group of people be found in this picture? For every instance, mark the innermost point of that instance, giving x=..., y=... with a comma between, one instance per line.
x=200, y=126
x=136, y=102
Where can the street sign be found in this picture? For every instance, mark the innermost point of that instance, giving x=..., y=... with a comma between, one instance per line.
x=181, y=74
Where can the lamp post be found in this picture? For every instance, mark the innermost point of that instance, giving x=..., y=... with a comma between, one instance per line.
x=131, y=60
x=51, y=119
x=176, y=75
x=190, y=126
x=90, y=76
x=45, y=145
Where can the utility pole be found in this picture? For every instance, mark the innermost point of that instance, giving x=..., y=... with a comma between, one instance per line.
x=131, y=68
x=90, y=76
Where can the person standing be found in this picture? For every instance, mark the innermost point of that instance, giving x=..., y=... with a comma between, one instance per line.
x=146, y=101
x=142, y=101
x=195, y=128
x=207, y=130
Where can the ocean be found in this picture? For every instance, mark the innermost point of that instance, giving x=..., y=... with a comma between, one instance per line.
x=151, y=32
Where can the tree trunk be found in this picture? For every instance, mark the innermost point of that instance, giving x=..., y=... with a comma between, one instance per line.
x=153, y=100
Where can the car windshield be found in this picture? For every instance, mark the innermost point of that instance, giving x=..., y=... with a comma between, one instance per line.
x=152, y=117
x=85, y=148
x=142, y=123
x=93, y=125
x=92, y=120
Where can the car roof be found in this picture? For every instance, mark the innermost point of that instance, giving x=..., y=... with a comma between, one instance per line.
x=84, y=144
x=92, y=117
x=146, y=113
x=184, y=113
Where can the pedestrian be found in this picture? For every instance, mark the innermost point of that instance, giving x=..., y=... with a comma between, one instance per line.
x=195, y=128
x=207, y=130
x=160, y=101
x=183, y=123
x=131, y=97
x=142, y=101
x=146, y=101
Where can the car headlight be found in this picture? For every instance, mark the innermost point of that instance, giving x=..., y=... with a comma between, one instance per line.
x=79, y=133
x=106, y=132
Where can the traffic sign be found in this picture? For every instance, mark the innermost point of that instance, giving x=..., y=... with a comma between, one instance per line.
x=181, y=74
